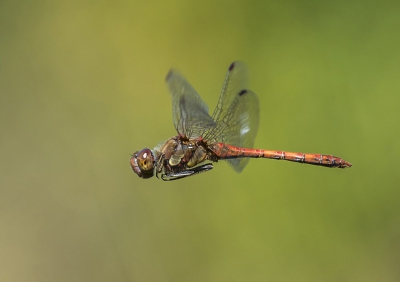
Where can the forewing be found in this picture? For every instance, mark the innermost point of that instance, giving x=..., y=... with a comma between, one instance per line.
x=238, y=125
x=189, y=111
x=236, y=80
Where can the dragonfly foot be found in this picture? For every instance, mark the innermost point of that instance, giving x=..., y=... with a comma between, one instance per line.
x=186, y=173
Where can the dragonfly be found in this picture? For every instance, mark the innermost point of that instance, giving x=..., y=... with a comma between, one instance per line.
x=202, y=139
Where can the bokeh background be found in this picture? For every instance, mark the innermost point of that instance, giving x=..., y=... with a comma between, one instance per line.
x=82, y=87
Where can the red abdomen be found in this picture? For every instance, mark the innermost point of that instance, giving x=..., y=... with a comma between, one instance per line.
x=224, y=151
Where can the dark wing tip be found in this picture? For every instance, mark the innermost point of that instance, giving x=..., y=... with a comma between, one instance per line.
x=242, y=92
x=231, y=66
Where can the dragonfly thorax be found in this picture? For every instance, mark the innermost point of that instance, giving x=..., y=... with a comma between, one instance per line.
x=143, y=163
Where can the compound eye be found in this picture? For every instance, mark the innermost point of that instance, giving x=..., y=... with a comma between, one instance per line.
x=145, y=160
x=142, y=163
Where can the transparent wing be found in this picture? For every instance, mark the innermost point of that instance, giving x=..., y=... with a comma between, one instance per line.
x=237, y=114
x=236, y=80
x=234, y=121
x=189, y=112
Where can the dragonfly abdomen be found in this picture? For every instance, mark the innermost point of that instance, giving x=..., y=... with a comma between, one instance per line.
x=224, y=151
x=313, y=159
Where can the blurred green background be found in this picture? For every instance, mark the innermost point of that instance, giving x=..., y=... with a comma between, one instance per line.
x=82, y=87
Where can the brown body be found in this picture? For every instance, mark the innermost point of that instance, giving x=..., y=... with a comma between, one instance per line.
x=224, y=151
x=179, y=154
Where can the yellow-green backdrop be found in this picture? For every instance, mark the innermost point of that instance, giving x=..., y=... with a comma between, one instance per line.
x=82, y=87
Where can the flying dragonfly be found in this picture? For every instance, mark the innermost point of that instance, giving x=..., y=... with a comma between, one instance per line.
x=202, y=139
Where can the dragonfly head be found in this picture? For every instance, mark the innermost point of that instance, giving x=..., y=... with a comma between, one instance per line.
x=142, y=163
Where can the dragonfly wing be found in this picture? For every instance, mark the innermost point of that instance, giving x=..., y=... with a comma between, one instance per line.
x=189, y=111
x=242, y=119
x=236, y=115
x=236, y=80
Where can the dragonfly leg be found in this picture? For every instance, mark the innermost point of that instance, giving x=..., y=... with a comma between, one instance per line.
x=186, y=173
